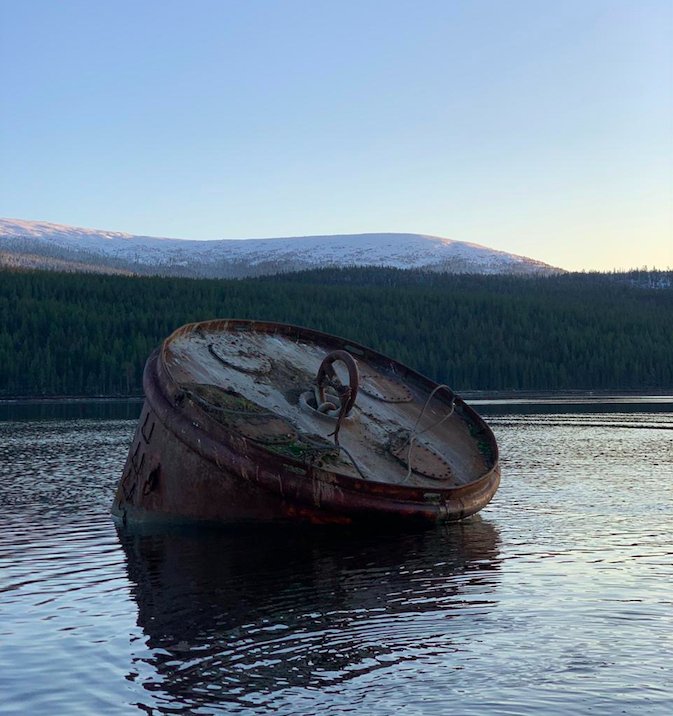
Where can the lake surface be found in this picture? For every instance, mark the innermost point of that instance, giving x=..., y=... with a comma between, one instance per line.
x=557, y=599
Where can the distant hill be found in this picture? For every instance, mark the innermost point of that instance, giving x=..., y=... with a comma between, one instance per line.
x=32, y=244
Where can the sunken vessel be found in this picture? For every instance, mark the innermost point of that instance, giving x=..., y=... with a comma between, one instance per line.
x=252, y=421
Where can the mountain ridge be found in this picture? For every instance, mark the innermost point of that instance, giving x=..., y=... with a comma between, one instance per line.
x=27, y=242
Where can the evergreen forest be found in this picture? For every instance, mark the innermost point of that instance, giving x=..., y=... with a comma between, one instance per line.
x=90, y=334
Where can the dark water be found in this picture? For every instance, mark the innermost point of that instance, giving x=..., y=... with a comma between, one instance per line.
x=557, y=600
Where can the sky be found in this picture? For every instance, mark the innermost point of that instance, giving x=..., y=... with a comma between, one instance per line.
x=539, y=128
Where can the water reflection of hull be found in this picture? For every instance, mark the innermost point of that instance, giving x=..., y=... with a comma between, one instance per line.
x=230, y=615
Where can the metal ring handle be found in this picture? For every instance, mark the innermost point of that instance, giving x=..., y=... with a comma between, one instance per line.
x=327, y=374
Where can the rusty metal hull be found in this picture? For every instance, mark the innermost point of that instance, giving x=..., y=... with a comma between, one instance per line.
x=183, y=466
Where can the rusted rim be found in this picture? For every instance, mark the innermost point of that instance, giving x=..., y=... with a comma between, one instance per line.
x=164, y=398
x=327, y=339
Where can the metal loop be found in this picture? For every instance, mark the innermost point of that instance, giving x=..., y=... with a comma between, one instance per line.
x=327, y=377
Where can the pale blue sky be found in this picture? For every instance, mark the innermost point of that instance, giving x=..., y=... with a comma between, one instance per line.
x=541, y=128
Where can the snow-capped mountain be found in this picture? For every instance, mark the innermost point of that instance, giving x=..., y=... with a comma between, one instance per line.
x=42, y=244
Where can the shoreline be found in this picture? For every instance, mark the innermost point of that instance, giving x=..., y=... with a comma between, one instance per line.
x=494, y=397
x=471, y=396
x=71, y=399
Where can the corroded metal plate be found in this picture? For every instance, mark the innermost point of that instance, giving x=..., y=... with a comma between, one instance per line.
x=266, y=429
x=384, y=389
x=234, y=354
x=424, y=460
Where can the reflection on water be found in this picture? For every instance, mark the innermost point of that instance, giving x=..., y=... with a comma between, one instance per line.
x=556, y=601
x=250, y=614
x=70, y=409
x=633, y=405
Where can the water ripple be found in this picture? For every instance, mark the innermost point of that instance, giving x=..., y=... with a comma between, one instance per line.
x=556, y=601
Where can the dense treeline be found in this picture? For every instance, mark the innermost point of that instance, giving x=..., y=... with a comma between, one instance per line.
x=374, y=276
x=86, y=334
